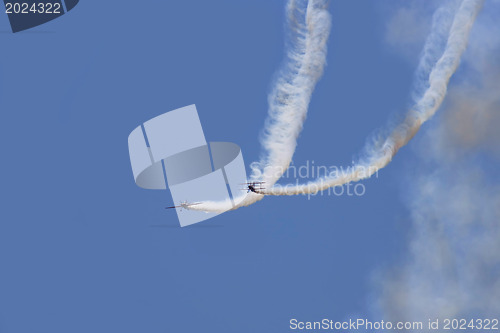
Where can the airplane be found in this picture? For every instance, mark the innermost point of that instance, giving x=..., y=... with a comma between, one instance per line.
x=254, y=187
x=184, y=204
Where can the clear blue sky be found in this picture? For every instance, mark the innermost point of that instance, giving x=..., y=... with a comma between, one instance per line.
x=83, y=249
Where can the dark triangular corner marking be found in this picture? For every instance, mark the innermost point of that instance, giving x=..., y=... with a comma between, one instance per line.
x=27, y=14
x=70, y=4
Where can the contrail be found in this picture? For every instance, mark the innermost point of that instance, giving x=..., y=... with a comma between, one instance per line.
x=434, y=46
x=450, y=268
x=425, y=107
x=309, y=24
x=308, y=28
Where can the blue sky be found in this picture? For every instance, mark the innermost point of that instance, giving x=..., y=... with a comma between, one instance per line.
x=83, y=249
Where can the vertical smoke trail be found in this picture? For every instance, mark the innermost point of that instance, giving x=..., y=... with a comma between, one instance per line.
x=290, y=98
x=309, y=27
x=309, y=24
x=434, y=46
x=424, y=109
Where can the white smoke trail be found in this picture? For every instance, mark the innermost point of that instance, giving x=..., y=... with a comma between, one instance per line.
x=309, y=27
x=452, y=266
x=380, y=155
x=289, y=100
x=434, y=46
x=290, y=97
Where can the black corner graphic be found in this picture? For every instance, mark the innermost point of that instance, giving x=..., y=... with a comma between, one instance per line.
x=26, y=14
x=70, y=4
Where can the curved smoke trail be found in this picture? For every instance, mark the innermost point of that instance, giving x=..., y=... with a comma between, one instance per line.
x=308, y=27
x=425, y=107
x=434, y=46
x=289, y=100
x=290, y=97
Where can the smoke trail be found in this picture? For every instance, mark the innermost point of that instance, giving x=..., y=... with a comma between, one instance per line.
x=289, y=100
x=434, y=47
x=309, y=26
x=452, y=266
x=380, y=155
x=290, y=97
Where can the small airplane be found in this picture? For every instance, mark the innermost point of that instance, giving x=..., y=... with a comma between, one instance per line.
x=254, y=187
x=184, y=204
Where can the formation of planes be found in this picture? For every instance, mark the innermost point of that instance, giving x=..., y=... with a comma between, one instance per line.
x=254, y=187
